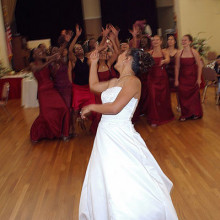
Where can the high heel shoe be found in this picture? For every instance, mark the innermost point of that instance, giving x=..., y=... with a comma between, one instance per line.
x=195, y=117
x=65, y=138
x=182, y=119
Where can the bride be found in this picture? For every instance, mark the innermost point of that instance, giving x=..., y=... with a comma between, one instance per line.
x=123, y=181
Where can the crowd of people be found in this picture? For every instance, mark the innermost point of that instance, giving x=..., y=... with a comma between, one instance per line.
x=63, y=79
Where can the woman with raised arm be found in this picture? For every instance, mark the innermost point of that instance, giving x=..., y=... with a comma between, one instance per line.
x=123, y=180
x=159, y=109
x=136, y=33
x=188, y=73
x=79, y=65
x=54, y=118
x=59, y=69
x=105, y=73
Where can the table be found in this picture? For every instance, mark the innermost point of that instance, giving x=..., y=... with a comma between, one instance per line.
x=15, y=87
x=29, y=93
x=15, y=84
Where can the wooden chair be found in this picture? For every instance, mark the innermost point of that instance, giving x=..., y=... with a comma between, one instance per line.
x=4, y=98
x=210, y=77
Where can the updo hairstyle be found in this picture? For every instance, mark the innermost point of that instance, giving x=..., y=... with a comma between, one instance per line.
x=142, y=61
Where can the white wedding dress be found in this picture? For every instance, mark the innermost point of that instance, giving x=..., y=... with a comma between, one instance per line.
x=123, y=181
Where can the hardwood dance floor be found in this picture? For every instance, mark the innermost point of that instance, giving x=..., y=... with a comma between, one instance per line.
x=43, y=181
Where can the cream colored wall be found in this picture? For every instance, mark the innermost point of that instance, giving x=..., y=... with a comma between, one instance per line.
x=165, y=19
x=92, y=18
x=194, y=16
x=3, y=46
x=34, y=43
x=91, y=9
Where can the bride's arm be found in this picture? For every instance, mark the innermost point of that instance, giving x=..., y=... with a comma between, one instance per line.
x=94, y=84
x=131, y=88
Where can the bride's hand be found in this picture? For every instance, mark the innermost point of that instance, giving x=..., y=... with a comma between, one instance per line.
x=94, y=57
x=85, y=111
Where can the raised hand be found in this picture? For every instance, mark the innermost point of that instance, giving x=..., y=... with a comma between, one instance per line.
x=114, y=30
x=78, y=30
x=94, y=57
x=134, y=31
x=105, y=32
x=111, y=36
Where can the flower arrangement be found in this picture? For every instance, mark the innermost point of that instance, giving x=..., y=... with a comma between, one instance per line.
x=3, y=70
x=200, y=44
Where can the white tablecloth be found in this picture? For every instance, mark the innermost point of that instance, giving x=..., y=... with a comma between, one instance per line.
x=29, y=93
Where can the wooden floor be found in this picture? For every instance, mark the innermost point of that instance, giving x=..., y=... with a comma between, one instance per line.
x=43, y=181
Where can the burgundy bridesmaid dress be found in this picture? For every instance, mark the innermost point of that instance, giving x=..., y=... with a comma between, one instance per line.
x=159, y=109
x=170, y=69
x=54, y=118
x=103, y=76
x=142, y=105
x=188, y=90
x=63, y=85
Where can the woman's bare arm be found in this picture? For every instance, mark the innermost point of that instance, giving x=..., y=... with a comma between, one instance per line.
x=70, y=68
x=166, y=59
x=199, y=64
x=94, y=83
x=115, y=51
x=78, y=33
x=36, y=68
x=131, y=88
x=115, y=32
x=177, y=68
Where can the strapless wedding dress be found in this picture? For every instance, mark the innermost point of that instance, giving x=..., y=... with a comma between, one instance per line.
x=123, y=180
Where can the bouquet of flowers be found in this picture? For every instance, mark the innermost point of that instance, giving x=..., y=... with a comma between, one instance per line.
x=200, y=44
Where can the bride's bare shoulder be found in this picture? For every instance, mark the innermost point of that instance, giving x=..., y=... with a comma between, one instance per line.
x=134, y=80
x=112, y=82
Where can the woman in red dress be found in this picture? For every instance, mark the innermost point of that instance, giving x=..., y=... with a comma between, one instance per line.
x=60, y=74
x=159, y=109
x=54, y=118
x=188, y=79
x=170, y=67
x=61, y=81
x=62, y=84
